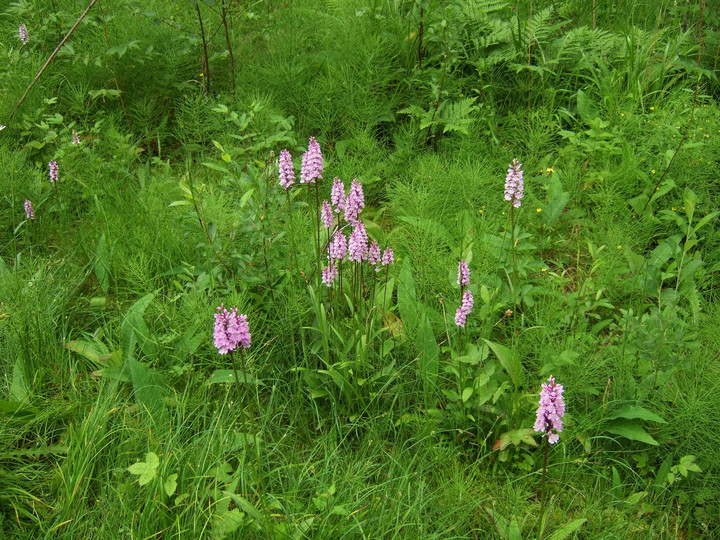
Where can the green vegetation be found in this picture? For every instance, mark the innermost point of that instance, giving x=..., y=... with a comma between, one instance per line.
x=360, y=410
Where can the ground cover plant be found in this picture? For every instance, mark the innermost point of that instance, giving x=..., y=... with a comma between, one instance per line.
x=389, y=269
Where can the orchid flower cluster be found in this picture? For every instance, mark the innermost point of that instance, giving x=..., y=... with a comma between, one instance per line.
x=356, y=247
x=514, y=186
x=231, y=330
x=23, y=33
x=29, y=211
x=551, y=410
x=467, y=298
x=53, y=171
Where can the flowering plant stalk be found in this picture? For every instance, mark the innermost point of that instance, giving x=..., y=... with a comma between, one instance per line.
x=549, y=422
x=53, y=173
x=312, y=169
x=514, y=192
x=232, y=332
x=348, y=250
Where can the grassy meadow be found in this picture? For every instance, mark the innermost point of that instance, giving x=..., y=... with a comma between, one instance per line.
x=379, y=390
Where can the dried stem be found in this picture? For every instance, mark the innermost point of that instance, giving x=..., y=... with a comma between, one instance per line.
x=50, y=59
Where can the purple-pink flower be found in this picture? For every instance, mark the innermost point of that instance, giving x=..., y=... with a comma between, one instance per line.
x=286, y=172
x=374, y=255
x=463, y=273
x=550, y=411
x=357, y=246
x=388, y=257
x=231, y=330
x=329, y=274
x=29, y=212
x=75, y=138
x=312, y=163
x=23, y=32
x=338, y=247
x=337, y=195
x=465, y=308
x=514, y=187
x=326, y=215
x=354, y=203
x=53, y=166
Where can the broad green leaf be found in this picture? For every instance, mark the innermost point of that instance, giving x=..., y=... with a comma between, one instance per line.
x=636, y=497
x=95, y=352
x=17, y=410
x=635, y=411
x=407, y=303
x=554, y=209
x=149, y=388
x=146, y=470
x=134, y=330
x=567, y=529
x=505, y=356
x=660, y=255
x=630, y=430
x=216, y=167
x=704, y=221
x=170, y=484
x=180, y=203
x=506, y=529
x=19, y=389
x=638, y=203
x=467, y=393
x=246, y=197
x=690, y=268
x=586, y=107
x=246, y=506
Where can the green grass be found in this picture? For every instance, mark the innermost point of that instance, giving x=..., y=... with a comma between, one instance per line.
x=376, y=417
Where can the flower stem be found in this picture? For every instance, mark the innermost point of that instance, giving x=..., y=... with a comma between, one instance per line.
x=541, y=523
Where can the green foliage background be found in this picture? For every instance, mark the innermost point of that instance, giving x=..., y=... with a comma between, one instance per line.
x=114, y=423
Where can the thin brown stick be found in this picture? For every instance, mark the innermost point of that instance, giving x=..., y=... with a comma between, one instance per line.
x=224, y=11
x=206, y=61
x=50, y=59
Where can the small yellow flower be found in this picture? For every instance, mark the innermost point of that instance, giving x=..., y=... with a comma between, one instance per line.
x=706, y=135
x=201, y=75
x=619, y=246
x=678, y=127
x=653, y=171
x=652, y=108
x=480, y=211
x=544, y=269
x=622, y=114
x=549, y=170
x=674, y=208
x=539, y=209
